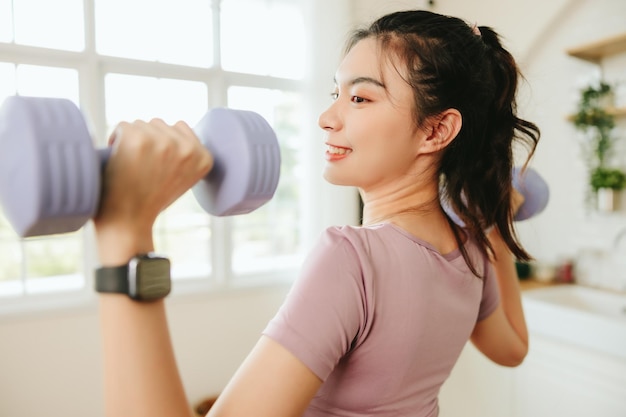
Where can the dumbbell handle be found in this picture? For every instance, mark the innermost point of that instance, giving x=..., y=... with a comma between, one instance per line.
x=104, y=154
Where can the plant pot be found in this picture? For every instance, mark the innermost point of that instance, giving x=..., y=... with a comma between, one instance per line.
x=607, y=199
x=607, y=101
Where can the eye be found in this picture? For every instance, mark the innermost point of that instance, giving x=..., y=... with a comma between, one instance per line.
x=334, y=95
x=357, y=99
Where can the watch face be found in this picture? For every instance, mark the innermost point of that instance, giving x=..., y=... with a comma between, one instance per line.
x=151, y=280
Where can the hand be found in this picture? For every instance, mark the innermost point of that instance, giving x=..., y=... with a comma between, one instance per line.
x=151, y=165
x=517, y=199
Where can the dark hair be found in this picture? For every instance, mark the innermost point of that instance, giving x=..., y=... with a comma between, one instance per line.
x=452, y=65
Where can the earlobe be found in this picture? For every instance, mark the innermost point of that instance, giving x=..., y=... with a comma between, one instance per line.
x=445, y=128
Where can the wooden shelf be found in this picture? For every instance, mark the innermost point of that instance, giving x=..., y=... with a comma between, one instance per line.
x=619, y=113
x=595, y=51
x=532, y=284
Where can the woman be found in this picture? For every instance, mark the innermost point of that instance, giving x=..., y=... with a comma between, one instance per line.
x=424, y=109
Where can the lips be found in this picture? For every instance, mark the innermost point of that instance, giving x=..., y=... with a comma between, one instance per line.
x=335, y=153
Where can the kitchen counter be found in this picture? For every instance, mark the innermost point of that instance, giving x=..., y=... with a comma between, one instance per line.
x=531, y=284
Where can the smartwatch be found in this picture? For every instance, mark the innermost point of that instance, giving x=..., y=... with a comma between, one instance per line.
x=146, y=277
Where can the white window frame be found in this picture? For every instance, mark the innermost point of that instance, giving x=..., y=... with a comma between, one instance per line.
x=92, y=69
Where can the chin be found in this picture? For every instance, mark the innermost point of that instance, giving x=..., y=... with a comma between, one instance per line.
x=335, y=179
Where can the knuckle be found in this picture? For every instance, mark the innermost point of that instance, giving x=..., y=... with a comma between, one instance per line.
x=181, y=124
x=157, y=121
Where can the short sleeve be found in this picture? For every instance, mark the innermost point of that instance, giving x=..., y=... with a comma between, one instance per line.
x=324, y=309
x=491, y=293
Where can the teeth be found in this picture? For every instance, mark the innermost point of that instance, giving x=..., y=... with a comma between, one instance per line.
x=337, y=151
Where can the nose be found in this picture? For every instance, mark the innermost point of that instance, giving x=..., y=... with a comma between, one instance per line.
x=329, y=120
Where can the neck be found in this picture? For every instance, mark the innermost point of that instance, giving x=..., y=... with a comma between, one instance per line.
x=417, y=212
x=416, y=200
x=413, y=205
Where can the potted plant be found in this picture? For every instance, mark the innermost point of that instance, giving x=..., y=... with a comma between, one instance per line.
x=607, y=183
x=594, y=119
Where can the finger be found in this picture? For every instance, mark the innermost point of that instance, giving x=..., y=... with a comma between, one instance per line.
x=117, y=131
x=205, y=158
x=517, y=199
x=185, y=130
x=154, y=138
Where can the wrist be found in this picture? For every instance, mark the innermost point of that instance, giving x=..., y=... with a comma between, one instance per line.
x=118, y=243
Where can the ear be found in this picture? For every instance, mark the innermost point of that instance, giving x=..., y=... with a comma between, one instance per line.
x=442, y=130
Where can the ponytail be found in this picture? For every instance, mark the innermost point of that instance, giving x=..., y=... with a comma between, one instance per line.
x=506, y=127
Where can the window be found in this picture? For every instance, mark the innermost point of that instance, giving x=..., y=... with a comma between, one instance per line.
x=257, y=41
x=32, y=24
x=123, y=60
x=177, y=32
x=268, y=238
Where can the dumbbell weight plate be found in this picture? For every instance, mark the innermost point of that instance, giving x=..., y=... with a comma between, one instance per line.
x=535, y=191
x=49, y=171
x=528, y=183
x=247, y=162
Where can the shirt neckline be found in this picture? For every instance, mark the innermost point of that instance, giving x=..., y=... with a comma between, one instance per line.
x=450, y=256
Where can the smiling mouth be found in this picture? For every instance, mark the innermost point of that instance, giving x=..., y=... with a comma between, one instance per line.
x=336, y=150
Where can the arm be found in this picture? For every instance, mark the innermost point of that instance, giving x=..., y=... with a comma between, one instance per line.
x=152, y=164
x=503, y=336
x=271, y=382
x=145, y=174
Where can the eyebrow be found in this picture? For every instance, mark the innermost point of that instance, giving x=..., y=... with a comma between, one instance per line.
x=361, y=80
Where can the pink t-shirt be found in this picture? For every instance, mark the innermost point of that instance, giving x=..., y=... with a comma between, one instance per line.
x=381, y=317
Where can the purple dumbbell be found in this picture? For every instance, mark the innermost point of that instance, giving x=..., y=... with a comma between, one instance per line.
x=528, y=183
x=50, y=171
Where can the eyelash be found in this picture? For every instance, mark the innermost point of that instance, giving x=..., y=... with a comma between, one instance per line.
x=354, y=99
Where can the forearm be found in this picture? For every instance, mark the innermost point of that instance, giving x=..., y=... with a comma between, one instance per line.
x=508, y=282
x=141, y=377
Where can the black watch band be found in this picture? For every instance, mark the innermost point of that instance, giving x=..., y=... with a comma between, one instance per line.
x=113, y=279
x=146, y=277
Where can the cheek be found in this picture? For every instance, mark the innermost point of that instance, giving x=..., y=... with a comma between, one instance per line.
x=392, y=150
x=390, y=162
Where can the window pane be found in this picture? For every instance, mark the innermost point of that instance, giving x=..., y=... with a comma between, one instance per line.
x=177, y=32
x=7, y=75
x=6, y=21
x=269, y=238
x=182, y=231
x=40, y=81
x=263, y=37
x=58, y=259
x=11, y=261
x=130, y=97
x=51, y=24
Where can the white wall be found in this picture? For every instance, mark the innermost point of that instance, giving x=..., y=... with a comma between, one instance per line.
x=567, y=227
x=51, y=363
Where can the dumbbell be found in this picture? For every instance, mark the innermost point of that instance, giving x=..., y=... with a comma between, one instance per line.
x=50, y=171
x=528, y=183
